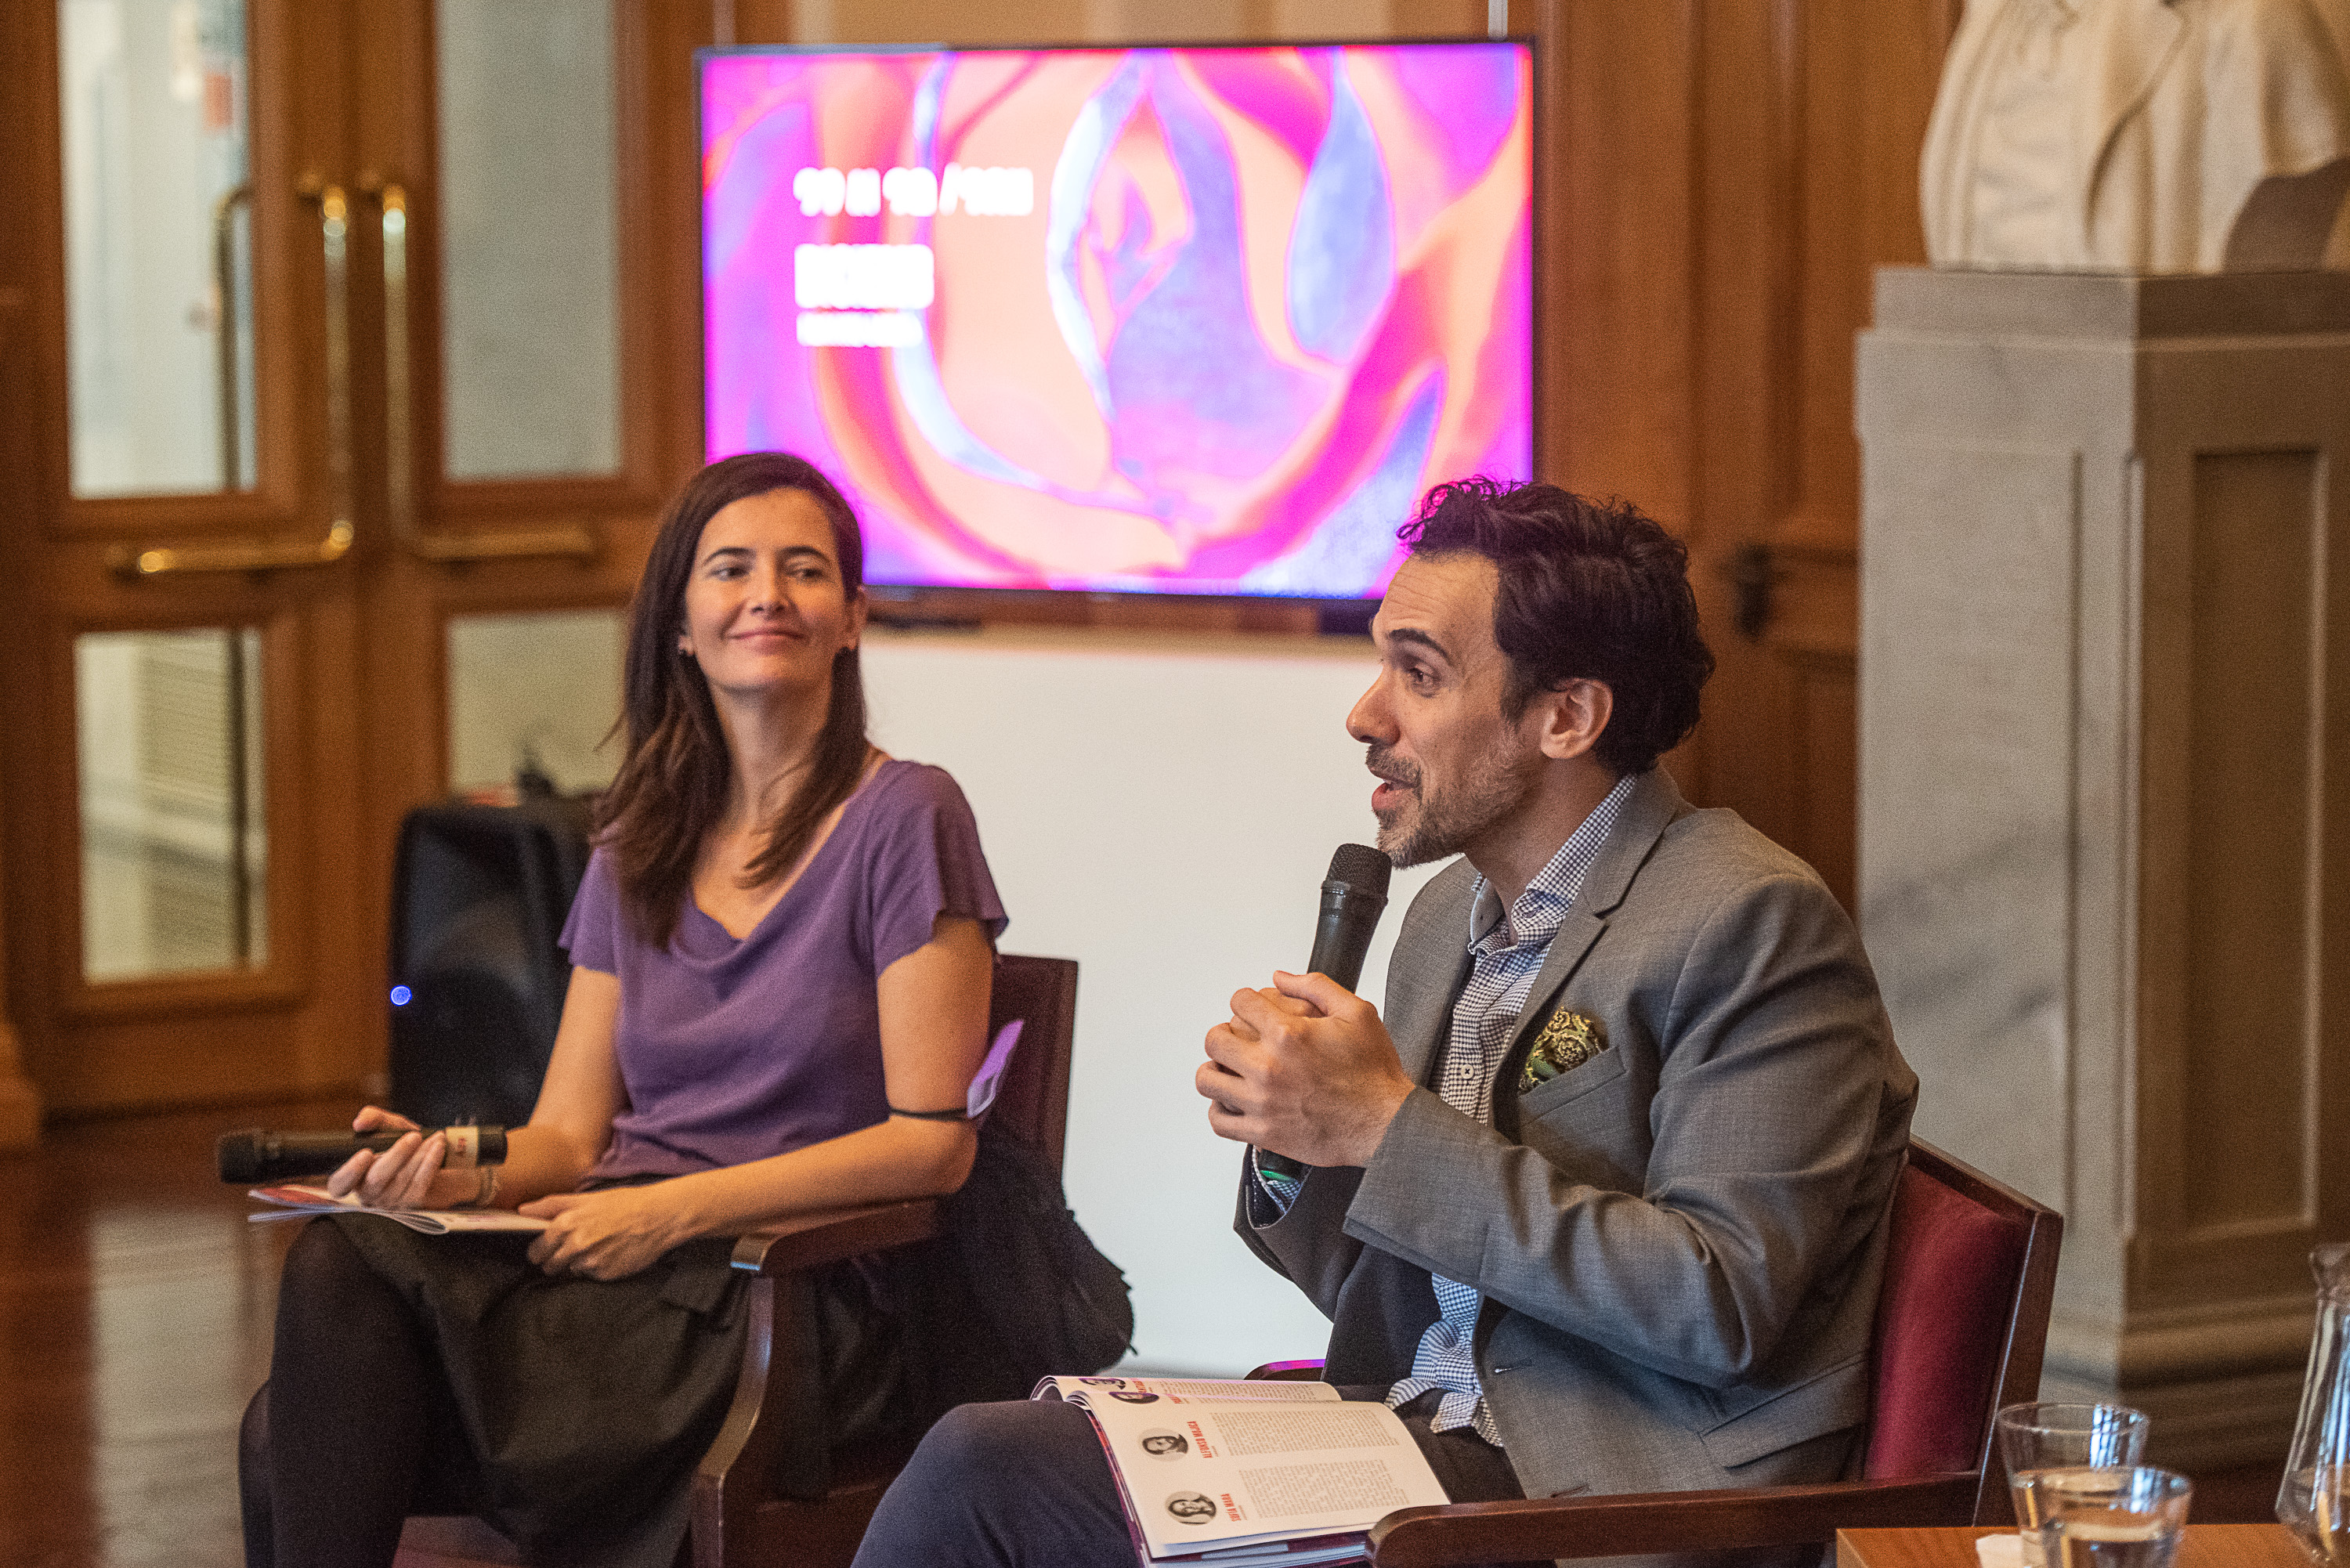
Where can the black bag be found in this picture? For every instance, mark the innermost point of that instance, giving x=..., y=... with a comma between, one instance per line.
x=478, y=975
x=1013, y=1291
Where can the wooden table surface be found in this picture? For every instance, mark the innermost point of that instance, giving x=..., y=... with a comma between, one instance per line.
x=2205, y=1546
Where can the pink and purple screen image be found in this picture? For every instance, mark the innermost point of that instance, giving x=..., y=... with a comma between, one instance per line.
x=1172, y=321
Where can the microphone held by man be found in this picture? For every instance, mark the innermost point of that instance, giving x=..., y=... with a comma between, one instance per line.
x=1303, y=1071
x=1353, y=896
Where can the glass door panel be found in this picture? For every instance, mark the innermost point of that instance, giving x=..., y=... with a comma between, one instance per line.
x=528, y=179
x=537, y=691
x=159, y=278
x=174, y=835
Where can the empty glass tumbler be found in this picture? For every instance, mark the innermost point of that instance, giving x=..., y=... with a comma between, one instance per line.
x=2315, y=1500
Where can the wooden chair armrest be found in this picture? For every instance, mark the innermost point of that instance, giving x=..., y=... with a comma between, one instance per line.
x=1547, y=1528
x=1287, y=1372
x=812, y=1240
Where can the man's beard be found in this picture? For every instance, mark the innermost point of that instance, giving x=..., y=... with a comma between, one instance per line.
x=1494, y=786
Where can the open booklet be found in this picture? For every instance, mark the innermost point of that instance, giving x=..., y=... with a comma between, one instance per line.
x=1230, y=1471
x=296, y=1200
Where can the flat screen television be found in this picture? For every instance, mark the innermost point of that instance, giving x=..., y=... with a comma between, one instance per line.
x=1180, y=320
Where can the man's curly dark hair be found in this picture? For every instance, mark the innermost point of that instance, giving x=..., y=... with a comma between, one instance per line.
x=1588, y=591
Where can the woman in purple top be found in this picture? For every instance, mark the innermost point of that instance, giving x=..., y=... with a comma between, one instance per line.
x=783, y=949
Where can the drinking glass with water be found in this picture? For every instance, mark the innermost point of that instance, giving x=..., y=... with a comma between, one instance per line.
x=2123, y=1516
x=2039, y=1438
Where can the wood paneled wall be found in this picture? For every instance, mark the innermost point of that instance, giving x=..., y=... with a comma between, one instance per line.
x=20, y=1106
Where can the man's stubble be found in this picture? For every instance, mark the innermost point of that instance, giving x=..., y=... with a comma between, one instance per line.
x=1496, y=786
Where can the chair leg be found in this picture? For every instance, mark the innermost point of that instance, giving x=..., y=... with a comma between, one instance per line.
x=803, y=1460
x=773, y=1445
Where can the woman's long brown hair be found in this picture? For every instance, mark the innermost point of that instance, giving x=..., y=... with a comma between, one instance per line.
x=671, y=788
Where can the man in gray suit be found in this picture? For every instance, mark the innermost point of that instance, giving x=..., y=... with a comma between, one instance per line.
x=1599, y=1204
x=1607, y=1181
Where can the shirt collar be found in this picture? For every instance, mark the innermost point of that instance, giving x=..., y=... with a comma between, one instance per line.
x=1535, y=916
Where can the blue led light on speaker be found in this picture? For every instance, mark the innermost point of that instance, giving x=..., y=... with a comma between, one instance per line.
x=401, y=995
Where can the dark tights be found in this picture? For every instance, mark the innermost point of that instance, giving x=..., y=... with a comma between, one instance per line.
x=337, y=1447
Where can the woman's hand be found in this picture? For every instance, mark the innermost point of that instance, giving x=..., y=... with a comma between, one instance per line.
x=408, y=1175
x=606, y=1235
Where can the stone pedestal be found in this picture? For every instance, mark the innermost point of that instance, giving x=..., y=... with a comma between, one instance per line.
x=2105, y=795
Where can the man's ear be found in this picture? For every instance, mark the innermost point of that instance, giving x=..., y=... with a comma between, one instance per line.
x=1573, y=717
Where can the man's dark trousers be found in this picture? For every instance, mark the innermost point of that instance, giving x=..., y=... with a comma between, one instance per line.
x=1024, y=1485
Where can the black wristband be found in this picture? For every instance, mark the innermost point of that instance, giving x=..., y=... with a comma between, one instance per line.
x=953, y=1116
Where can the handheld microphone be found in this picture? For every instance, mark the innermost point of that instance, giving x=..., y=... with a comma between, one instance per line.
x=260, y=1154
x=1353, y=896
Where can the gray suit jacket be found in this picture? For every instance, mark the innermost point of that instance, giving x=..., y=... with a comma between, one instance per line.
x=1679, y=1241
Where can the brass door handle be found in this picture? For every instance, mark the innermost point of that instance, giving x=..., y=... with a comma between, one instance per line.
x=138, y=562
x=232, y=443
x=399, y=495
x=1754, y=575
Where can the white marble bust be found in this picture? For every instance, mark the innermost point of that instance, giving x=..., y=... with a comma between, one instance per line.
x=2142, y=135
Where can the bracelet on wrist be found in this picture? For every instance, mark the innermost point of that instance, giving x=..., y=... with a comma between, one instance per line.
x=486, y=1193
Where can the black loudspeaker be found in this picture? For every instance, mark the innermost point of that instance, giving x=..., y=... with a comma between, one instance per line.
x=478, y=898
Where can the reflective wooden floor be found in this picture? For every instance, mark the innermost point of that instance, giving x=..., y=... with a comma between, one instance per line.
x=137, y=1303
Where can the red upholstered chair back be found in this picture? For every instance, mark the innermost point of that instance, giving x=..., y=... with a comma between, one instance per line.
x=1969, y=1278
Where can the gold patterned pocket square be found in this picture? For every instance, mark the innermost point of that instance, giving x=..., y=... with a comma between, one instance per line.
x=1567, y=1041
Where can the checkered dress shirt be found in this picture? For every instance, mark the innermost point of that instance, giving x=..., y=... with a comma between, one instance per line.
x=1506, y=950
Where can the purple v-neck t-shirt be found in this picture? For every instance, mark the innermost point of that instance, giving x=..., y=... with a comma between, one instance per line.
x=733, y=1051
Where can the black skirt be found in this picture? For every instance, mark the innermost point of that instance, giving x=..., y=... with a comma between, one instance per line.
x=585, y=1403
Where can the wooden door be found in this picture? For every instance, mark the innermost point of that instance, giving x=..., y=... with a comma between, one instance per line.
x=287, y=408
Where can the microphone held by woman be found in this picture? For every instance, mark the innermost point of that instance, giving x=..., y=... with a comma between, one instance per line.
x=261, y=1155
